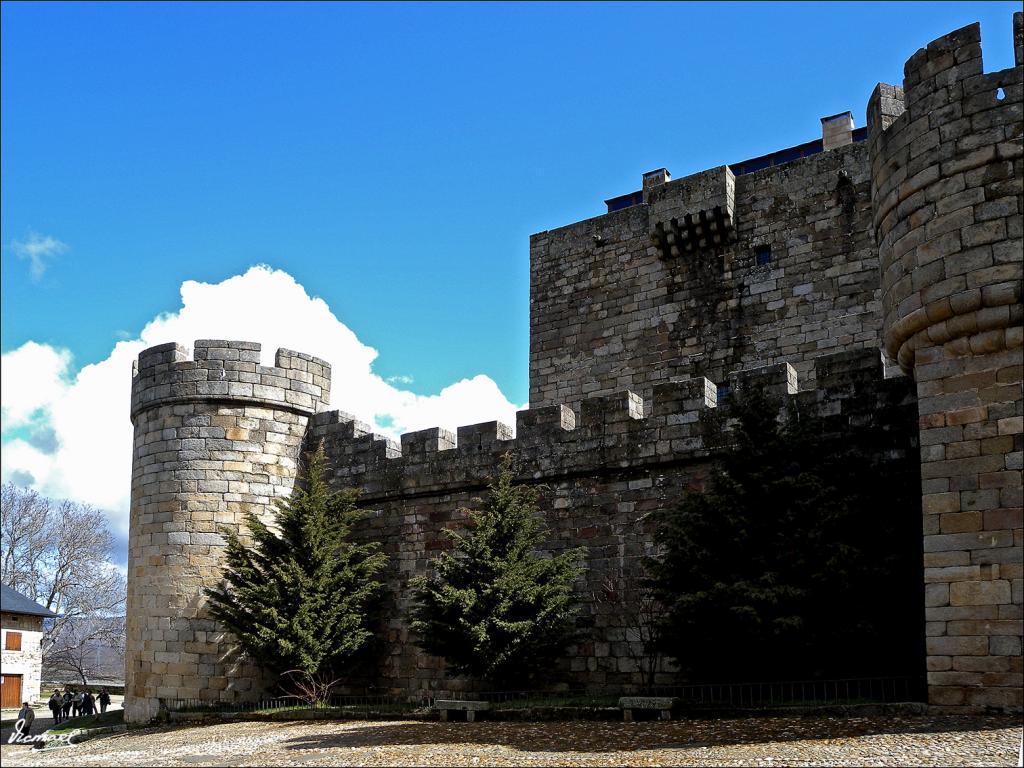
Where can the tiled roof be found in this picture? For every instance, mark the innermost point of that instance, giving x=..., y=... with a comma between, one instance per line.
x=15, y=602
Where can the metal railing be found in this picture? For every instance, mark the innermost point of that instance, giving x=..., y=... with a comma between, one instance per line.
x=703, y=696
x=863, y=690
x=342, y=704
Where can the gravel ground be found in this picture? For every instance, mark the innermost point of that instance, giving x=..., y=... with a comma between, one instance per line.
x=921, y=740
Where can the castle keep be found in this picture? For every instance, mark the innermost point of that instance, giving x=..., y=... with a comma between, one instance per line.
x=874, y=275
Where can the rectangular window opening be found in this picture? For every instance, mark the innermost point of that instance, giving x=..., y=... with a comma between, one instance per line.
x=13, y=641
x=763, y=255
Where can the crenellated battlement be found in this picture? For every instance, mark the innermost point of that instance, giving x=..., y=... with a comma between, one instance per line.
x=216, y=438
x=945, y=193
x=948, y=216
x=608, y=432
x=229, y=371
x=785, y=272
x=435, y=458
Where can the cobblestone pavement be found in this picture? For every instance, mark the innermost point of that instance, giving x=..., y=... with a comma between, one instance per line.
x=753, y=741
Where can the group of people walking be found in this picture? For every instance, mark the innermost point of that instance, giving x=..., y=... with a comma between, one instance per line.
x=76, y=703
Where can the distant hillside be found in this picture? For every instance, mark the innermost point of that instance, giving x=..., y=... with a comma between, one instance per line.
x=91, y=651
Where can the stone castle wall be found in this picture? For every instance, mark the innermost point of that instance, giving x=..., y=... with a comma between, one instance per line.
x=215, y=437
x=909, y=241
x=612, y=308
x=946, y=152
x=603, y=471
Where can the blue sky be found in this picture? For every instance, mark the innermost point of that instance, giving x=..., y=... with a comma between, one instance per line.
x=390, y=159
x=393, y=158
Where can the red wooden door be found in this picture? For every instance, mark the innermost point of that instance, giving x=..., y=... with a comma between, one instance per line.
x=10, y=692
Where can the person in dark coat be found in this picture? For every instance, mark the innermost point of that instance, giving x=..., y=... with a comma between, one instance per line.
x=56, y=705
x=104, y=700
x=67, y=699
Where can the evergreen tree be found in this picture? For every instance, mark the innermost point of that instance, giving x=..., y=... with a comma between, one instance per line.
x=797, y=560
x=496, y=610
x=302, y=595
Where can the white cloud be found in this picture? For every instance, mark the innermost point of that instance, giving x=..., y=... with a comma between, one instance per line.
x=88, y=413
x=34, y=376
x=37, y=249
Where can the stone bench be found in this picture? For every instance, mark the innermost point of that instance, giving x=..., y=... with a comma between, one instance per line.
x=457, y=705
x=663, y=704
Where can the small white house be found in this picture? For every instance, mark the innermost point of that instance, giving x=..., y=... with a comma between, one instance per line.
x=21, y=653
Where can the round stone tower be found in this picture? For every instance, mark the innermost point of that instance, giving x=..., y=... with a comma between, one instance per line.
x=946, y=159
x=215, y=437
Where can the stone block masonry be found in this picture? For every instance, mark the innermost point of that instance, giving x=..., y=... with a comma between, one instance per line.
x=215, y=437
x=604, y=471
x=201, y=461
x=631, y=298
x=26, y=660
x=876, y=282
x=946, y=153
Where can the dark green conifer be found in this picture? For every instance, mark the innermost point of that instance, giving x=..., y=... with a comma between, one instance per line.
x=302, y=595
x=793, y=562
x=495, y=609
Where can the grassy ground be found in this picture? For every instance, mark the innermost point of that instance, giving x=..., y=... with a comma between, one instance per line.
x=531, y=702
x=410, y=707
x=114, y=717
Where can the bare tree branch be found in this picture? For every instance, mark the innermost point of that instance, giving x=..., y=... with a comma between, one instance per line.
x=639, y=612
x=89, y=648
x=58, y=554
x=23, y=536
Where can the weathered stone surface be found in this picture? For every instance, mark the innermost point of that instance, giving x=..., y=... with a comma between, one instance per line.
x=952, y=318
x=979, y=592
x=647, y=702
x=188, y=479
x=633, y=318
x=462, y=705
x=793, y=271
x=661, y=704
